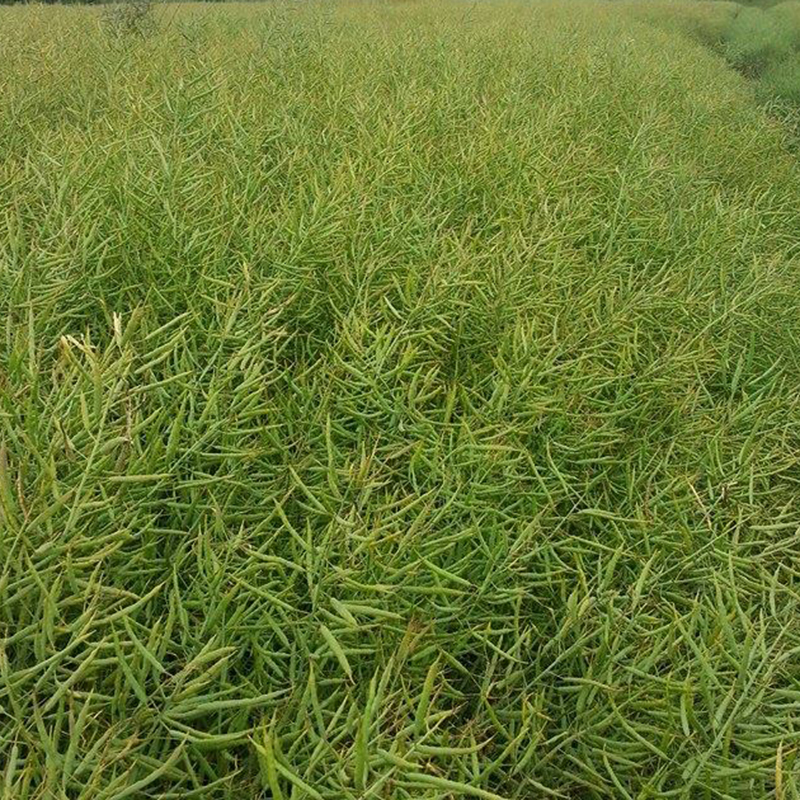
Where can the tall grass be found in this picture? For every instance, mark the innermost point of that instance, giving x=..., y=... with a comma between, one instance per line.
x=396, y=401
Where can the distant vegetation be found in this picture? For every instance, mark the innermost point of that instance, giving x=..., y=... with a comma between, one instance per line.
x=399, y=401
x=765, y=45
x=761, y=41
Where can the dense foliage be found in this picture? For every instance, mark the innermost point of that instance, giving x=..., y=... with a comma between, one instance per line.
x=396, y=401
